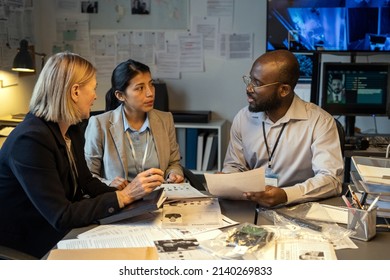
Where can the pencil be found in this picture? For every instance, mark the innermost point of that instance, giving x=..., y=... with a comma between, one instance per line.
x=355, y=198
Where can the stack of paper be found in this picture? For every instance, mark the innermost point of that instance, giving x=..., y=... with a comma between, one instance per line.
x=373, y=177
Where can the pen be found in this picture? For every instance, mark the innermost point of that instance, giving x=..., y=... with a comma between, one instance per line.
x=363, y=198
x=354, y=197
x=373, y=203
x=346, y=201
x=302, y=222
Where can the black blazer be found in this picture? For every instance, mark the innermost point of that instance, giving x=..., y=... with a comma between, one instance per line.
x=37, y=201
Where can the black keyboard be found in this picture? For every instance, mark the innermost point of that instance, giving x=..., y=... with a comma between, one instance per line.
x=379, y=141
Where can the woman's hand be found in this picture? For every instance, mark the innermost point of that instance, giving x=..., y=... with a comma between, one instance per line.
x=174, y=178
x=119, y=183
x=143, y=184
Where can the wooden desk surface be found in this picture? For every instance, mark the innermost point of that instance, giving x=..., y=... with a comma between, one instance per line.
x=377, y=248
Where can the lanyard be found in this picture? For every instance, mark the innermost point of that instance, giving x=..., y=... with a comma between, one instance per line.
x=276, y=143
x=133, y=151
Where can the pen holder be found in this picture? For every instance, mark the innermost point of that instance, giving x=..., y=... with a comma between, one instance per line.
x=362, y=222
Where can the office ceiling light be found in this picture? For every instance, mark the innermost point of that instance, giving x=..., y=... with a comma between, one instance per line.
x=23, y=61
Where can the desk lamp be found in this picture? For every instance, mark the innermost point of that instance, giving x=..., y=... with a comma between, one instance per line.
x=23, y=61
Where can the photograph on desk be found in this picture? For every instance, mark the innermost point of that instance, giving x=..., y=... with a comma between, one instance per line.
x=182, y=249
x=192, y=213
x=304, y=250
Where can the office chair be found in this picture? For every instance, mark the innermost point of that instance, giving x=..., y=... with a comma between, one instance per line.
x=161, y=100
x=7, y=253
x=193, y=179
x=341, y=132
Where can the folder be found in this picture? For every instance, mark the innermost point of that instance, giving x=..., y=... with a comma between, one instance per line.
x=210, y=152
x=148, y=203
x=191, y=147
x=138, y=253
x=200, y=149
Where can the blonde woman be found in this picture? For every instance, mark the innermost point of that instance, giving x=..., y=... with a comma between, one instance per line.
x=46, y=188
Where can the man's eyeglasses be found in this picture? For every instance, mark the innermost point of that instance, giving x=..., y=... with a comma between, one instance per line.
x=251, y=85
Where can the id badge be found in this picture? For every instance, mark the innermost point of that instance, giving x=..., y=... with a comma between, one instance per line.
x=271, y=178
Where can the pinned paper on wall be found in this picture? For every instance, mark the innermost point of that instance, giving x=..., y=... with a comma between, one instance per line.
x=171, y=14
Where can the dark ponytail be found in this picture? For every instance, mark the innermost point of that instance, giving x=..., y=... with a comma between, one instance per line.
x=120, y=80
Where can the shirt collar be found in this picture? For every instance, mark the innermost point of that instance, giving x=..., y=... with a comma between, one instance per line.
x=297, y=111
x=127, y=126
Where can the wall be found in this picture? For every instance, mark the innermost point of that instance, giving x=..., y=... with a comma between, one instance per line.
x=219, y=89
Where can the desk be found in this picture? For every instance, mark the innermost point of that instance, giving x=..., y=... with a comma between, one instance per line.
x=243, y=211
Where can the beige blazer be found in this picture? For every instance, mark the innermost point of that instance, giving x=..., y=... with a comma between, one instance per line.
x=105, y=150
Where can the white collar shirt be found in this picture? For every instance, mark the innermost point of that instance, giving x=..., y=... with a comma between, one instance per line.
x=307, y=159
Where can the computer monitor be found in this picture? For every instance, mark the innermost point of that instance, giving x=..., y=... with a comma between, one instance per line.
x=356, y=89
x=328, y=25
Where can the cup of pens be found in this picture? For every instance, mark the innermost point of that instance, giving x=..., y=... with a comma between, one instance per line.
x=362, y=222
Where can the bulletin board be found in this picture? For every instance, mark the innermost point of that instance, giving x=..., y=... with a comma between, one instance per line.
x=163, y=14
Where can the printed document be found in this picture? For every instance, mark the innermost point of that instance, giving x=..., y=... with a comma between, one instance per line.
x=233, y=185
x=192, y=213
x=304, y=250
x=181, y=191
x=327, y=213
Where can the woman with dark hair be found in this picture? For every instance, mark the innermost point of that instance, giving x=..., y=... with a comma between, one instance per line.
x=131, y=136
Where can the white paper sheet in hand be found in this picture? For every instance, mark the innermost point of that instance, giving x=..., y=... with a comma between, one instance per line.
x=232, y=185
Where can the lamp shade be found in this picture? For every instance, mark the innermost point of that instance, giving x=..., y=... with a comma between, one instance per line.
x=23, y=61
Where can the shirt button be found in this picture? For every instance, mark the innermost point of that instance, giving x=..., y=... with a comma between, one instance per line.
x=111, y=210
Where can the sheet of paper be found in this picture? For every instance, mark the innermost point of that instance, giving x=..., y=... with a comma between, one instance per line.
x=192, y=213
x=139, y=239
x=304, y=250
x=232, y=185
x=181, y=191
x=374, y=174
x=328, y=213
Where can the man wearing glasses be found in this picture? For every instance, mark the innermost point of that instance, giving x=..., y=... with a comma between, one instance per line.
x=295, y=141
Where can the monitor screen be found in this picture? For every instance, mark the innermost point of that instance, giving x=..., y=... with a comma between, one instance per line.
x=355, y=89
x=328, y=25
x=306, y=62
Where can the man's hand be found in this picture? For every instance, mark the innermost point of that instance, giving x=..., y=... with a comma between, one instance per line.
x=272, y=196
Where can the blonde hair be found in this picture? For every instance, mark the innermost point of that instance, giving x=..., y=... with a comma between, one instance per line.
x=51, y=98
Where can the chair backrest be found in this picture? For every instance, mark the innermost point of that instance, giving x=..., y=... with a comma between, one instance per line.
x=161, y=101
x=7, y=253
x=341, y=131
